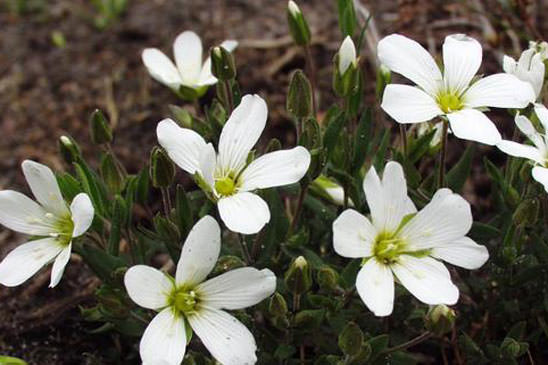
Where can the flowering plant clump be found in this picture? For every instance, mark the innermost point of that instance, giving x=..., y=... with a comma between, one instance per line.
x=290, y=252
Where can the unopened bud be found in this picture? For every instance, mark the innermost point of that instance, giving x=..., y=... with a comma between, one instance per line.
x=113, y=173
x=440, y=319
x=223, y=66
x=162, y=169
x=277, y=306
x=384, y=76
x=298, y=277
x=351, y=339
x=327, y=278
x=512, y=348
x=69, y=149
x=99, y=128
x=298, y=27
x=345, y=76
x=527, y=212
x=227, y=263
x=299, y=96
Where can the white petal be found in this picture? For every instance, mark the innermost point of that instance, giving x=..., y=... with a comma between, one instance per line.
x=184, y=146
x=187, y=49
x=526, y=127
x=241, y=132
x=59, y=265
x=20, y=213
x=520, y=150
x=463, y=252
x=409, y=104
x=24, y=261
x=353, y=235
x=44, y=187
x=347, y=54
x=147, y=286
x=164, y=339
x=206, y=78
x=375, y=285
x=200, y=252
x=509, y=64
x=161, y=68
x=276, y=169
x=540, y=174
x=445, y=219
x=408, y=58
x=473, y=125
x=82, y=214
x=244, y=212
x=461, y=61
x=387, y=200
x=427, y=279
x=208, y=162
x=499, y=91
x=542, y=114
x=227, y=339
x=237, y=289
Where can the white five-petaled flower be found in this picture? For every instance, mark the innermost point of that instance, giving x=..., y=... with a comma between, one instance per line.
x=50, y=218
x=228, y=175
x=537, y=153
x=347, y=55
x=188, y=70
x=190, y=300
x=529, y=68
x=400, y=241
x=453, y=94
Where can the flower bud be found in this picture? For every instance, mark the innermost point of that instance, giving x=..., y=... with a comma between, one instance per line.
x=440, y=319
x=327, y=278
x=99, y=129
x=351, y=339
x=299, y=96
x=227, y=263
x=298, y=277
x=298, y=27
x=182, y=116
x=69, y=149
x=162, y=169
x=309, y=318
x=384, y=76
x=223, y=66
x=113, y=173
x=273, y=145
x=511, y=348
x=345, y=76
x=277, y=305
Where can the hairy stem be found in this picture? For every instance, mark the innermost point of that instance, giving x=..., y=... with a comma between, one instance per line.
x=443, y=153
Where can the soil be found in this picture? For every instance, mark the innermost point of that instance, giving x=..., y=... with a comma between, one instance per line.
x=47, y=91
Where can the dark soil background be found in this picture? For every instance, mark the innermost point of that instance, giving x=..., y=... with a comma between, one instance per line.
x=47, y=91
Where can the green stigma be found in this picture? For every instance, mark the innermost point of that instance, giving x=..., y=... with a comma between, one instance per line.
x=64, y=227
x=388, y=247
x=184, y=301
x=225, y=186
x=449, y=102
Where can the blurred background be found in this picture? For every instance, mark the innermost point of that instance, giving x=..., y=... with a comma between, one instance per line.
x=61, y=59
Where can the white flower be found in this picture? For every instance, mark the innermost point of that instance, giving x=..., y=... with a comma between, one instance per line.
x=347, y=55
x=452, y=94
x=400, y=241
x=228, y=175
x=189, y=299
x=529, y=68
x=49, y=218
x=537, y=153
x=541, y=48
x=329, y=188
x=189, y=70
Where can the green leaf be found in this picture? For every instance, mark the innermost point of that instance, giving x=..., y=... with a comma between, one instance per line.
x=119, y=220
x=92, y=186
x=380, y=155
x=349, y=273
x=347, y=17
x=456, y=177
x=9, y=360
x=183, y=211
x=102, y=264
x=420, y=146
x=69, y=186
x=334, y=120
x=362, y=140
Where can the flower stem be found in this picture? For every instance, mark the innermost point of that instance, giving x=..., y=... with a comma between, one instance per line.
x=311, y=74
x=415, y=341
x=443, y=153
x=166, y=201
x=403, y=136
x=302, y=194
x=228, y=91
x=245, y=250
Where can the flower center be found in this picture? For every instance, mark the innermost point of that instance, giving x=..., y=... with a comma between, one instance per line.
x=225, y=186
x=449, y=102
x=388, y=247
x=64, y=228
x=184, y=300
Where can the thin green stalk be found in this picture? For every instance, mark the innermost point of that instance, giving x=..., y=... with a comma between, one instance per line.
x=415, y=341
x=311, y=74
x=443, y=154
x=245, y=250
x=298, y=211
